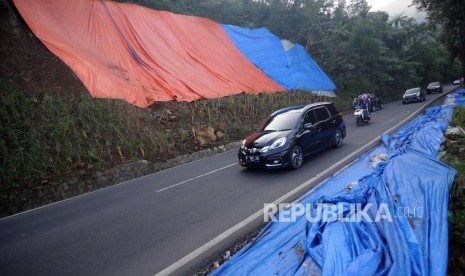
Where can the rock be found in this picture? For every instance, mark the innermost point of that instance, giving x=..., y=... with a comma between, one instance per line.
x=227, y=255
x=441, y=154
x=455, y=131
x=450, y=142
x=219, y=134
x=205, y=135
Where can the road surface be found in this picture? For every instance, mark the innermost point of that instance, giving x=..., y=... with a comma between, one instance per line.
x=142, y=226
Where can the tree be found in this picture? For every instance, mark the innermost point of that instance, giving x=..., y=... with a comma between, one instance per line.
x=450, y=14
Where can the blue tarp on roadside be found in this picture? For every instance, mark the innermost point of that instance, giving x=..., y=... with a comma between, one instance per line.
x=411, y=185
x=292, y=68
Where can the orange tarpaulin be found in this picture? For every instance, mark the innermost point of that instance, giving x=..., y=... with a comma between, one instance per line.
x=128, y=52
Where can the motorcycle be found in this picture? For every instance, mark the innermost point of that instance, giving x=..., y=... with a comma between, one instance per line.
x=361, y=116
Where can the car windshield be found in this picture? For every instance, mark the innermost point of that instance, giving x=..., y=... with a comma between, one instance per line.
x=434, y=84
x=283, y=121
x=412, y=90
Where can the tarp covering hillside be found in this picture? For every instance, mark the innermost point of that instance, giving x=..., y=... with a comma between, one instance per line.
x=288, y=64
x=140, y=55
x=403, y=230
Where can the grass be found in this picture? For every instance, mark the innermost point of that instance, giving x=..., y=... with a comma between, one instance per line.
x=46, y=137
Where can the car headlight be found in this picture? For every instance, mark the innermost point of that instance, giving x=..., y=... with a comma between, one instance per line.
x=418, y=94
x=276, y=144
x=403, y=96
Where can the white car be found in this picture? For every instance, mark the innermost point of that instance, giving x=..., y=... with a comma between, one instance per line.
x=456, y=82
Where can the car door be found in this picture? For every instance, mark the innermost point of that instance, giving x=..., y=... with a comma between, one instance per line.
x=325, y=126
x=309, y=138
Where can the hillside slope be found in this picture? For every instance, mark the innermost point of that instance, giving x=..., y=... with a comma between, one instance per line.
x=56, y=141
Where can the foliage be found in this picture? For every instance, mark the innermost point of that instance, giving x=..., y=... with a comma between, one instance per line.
x=448, y=14
x=48, y=136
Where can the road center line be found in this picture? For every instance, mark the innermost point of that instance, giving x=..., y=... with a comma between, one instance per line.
x=402, y=114
x=194, y=178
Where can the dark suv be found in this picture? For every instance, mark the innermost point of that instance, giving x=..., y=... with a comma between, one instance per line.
x=413, y=95
x=291, y=133
x=434, y=87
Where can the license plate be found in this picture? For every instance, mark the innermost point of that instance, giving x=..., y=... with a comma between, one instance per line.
x=252, y=158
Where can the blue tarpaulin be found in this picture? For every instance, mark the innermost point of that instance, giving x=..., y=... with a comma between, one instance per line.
x=290, y=67
x=404, y=230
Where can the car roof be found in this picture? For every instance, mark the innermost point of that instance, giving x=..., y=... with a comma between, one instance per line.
x=299, y=108
x=412, y=89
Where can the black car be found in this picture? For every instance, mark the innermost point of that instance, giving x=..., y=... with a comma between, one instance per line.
x=291, y=133
x=414, y=95
x=434, y=87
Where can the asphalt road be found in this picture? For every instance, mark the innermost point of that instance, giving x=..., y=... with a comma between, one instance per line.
x=144, y=225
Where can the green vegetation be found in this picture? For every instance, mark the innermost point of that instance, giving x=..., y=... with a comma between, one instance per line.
x=45, y=136
x=455, y=146
x=448, y=16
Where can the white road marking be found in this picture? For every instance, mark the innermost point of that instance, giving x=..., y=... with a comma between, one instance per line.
x=194, y=178
x=402, y=114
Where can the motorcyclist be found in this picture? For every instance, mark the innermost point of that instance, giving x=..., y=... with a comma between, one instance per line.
x=365, y=103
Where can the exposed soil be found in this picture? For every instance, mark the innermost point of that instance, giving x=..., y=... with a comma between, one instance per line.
x=27, y=62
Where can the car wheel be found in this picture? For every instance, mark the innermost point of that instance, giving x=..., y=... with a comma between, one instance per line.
x=297, y=158
x=338, y=138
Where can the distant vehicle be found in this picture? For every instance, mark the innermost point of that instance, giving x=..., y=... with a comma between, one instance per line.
x=413, y=95
x=374, y=103
x=456, y=82
x=377, y=103
x=434, y=87
x=291, y=133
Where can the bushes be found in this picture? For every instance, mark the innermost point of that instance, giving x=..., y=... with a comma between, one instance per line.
x=45, y=137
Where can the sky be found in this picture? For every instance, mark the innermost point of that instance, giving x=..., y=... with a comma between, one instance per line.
x=396, y=7
x=378, y=4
